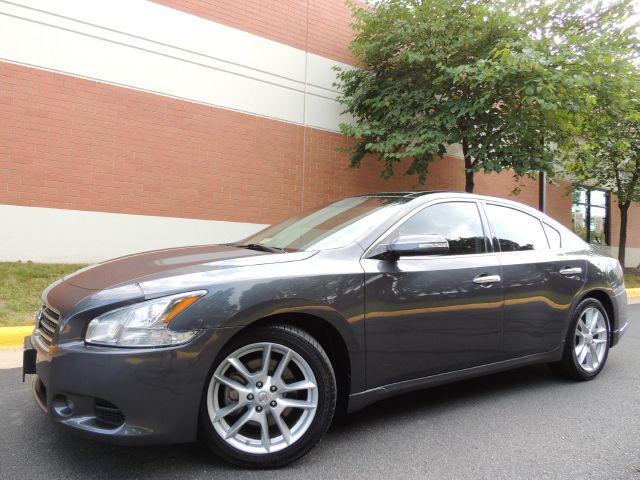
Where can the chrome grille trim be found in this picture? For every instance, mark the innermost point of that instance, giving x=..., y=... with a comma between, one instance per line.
x=48, y=338
x=50, y=315
x=47, y=330
x=47, y=325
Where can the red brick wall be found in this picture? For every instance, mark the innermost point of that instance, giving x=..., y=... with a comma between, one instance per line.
x=78, y=144
x=329, y=30
x=319, y=26
x=559, y=203
x=72, y=143
x=324, y=29
x=633, y=224
x=328, y=178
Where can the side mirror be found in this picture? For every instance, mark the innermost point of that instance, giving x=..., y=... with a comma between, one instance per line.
x=414, y=245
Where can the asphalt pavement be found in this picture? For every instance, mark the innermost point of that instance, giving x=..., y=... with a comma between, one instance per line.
x=522, y=424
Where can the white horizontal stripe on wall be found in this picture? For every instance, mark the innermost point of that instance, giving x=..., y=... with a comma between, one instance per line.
x=73, y=236
x=142, y=45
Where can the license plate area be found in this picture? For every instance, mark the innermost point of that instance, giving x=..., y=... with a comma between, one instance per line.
x=29, y=354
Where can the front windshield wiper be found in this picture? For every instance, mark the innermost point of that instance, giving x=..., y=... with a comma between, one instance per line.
x=262, y=248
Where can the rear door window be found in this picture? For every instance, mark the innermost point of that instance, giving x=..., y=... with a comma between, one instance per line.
x=515, y=230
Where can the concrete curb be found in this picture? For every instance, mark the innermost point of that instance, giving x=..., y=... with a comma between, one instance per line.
x=13, y=337
x=633, y=292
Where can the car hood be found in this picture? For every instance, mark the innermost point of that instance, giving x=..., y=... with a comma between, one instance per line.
x=174, y=261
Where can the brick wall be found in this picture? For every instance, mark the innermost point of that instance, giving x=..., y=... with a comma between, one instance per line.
x=323, y=27
x=633, y=224
x=319, y=26
x=71, y=143
x=78, y=144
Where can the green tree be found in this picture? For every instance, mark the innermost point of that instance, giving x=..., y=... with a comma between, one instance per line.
x=605, y=151
x=501, y=78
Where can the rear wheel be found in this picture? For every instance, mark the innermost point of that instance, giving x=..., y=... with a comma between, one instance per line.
x=269, y=398
x=587, y=345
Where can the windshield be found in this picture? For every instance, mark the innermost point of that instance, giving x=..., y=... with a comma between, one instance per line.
x=333, y=226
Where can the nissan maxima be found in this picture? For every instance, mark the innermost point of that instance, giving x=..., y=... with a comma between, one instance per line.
x=254, y=346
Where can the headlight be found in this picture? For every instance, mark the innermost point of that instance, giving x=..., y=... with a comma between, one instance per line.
x=143, y=324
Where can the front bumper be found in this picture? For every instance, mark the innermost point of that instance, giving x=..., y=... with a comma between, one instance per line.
x=125, y=396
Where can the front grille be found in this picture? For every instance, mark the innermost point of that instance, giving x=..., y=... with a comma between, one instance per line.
x=48, y=321
x=107, y=413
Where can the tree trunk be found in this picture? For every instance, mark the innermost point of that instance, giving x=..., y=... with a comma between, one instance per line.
x=622, y=247
x=468, y=167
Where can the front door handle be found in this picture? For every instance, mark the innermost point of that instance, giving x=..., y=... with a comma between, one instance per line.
x=486, y=279
x=569, y=271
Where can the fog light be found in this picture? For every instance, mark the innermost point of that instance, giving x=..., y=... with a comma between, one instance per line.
x=108, y=414
x=62, y=405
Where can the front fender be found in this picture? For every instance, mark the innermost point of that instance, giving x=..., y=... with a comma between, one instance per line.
x=352, y=333
x=305, y=307
x=322, y=288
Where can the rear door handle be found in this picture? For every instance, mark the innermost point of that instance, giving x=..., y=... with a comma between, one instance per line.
x=570, y=271
x=486, y=279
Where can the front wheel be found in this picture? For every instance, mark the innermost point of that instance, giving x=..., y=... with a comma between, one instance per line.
x=269, y=399
x=587, y=345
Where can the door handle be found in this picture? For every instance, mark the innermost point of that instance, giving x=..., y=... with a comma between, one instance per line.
x=486, y=279
x=568, y=271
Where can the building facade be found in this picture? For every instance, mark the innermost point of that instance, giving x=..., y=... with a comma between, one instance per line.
x=131, y=125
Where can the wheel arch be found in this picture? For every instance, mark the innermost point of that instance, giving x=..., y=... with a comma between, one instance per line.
x=330, y=338
x=597, y=294
x=331, y=341
x=603, y=297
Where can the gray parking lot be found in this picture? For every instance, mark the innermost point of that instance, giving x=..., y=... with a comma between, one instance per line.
x=525, y=423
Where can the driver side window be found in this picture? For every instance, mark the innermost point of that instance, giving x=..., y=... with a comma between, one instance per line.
x=458, y=222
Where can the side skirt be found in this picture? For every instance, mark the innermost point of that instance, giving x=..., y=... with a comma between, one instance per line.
x=358, y=401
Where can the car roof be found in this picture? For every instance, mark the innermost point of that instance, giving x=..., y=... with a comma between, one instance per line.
x=422, y=196
x=409, y=194
x=431, y=194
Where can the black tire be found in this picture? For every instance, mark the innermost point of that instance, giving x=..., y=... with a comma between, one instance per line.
x=312, y=352
x=569, y=366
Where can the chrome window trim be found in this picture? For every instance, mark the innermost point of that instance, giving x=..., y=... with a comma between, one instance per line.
x=549, y=241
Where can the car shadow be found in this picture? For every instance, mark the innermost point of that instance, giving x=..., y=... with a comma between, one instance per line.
x=444, y=398
x=83, y=456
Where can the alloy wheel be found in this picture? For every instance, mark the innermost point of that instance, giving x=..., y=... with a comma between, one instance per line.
x=591, y=339
x=262, y=398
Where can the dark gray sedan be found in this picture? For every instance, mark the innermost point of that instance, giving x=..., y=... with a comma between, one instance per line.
x=254, y=346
